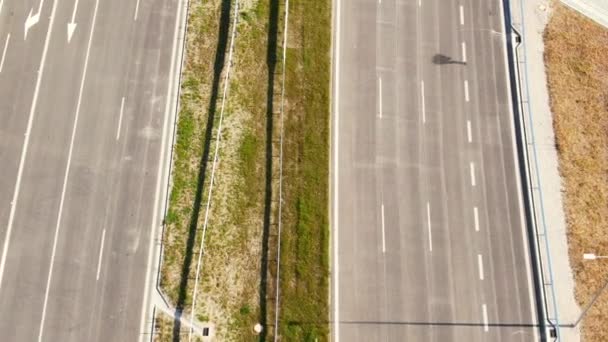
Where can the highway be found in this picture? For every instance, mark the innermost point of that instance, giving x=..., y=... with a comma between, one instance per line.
x=429, y=237
x=86, y=96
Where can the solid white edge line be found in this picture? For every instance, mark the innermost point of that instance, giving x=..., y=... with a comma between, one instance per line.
x=8, y=38
x=428, y=220
x=484, y=309
x=380, y=97
x=476, y=218
x=472, y=167
x=26, y=141
x=122, y=108
x=480, y=266
x=336, y=231
x=469, y=131
x=383, y=232
x=170, y=112
x=103, y=239
x=422, y=102
x=466, y=90
x=464, y=52
x=67, y=174
x=461, y=15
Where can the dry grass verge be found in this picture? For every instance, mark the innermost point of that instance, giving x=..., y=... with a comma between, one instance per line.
x=576, y=51
x=240, y=243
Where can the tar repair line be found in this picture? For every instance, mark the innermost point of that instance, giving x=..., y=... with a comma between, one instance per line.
x=8, y=38
x=67, y=174
x=26, y=142
x=336, y=178
x=122, y=108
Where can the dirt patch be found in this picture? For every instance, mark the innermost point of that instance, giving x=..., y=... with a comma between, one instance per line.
x=577, y=68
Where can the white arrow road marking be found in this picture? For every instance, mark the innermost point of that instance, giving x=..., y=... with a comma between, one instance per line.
x=72, y=24
x=32, y=19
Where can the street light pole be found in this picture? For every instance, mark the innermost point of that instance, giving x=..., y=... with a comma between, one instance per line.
x=591, y=256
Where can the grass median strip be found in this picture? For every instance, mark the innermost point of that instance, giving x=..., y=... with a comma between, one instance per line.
x=577, y=68
x=236, y=276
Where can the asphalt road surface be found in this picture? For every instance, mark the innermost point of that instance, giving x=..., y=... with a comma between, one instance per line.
x=428, y=225
x=81, y=130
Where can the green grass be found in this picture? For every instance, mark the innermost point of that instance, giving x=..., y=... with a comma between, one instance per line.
x=230, y=280
x=305, y=240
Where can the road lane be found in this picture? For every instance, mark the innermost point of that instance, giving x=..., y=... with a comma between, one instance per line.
x=453, y=151
x=111, y=181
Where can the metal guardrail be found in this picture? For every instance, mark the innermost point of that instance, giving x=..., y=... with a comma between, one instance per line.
x=533, y=173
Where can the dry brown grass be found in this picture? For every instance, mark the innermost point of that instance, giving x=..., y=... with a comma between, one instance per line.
x=576, y=57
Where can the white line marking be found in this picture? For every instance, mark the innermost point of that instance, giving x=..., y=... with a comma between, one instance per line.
x=158, y=208
x=67, y=173
x=466, y=90
x=480, y=265
x=476, y=218
x=136, y=10
x=469, y=131
x=103, y=239
x=1, y=3
x=464, y=52
x=380, y=97
x=419, y=3
x=484, y=309
x=473, y=183
x=383, y=234
x=122, y=108
x=8, y=38
x=422, y=102
x=32, y=19
x=461, y=15
x=428, y=220
x=26, y=142
x=72, y=24
x=336, y=178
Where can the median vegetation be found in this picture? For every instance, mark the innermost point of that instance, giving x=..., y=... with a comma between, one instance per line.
x=577, y=67
x=236, y=286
